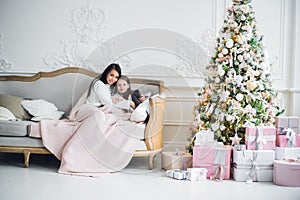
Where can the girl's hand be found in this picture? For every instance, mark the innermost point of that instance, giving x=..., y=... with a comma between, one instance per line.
x=132, y=105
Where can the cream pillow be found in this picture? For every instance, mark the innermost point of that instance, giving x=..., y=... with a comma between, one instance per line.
x=141, y=112
x=6, y=114
x=38, y=107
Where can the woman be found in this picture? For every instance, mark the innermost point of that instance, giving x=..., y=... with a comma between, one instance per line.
x=94, y=139
x=103, y=86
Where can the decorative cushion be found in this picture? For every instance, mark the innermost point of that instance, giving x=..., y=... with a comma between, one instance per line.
x=38, y=107
x=42, y=109
x=140, y=113
x=6, y=114
x=13, y=104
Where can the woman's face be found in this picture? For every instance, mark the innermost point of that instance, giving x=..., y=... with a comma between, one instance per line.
x=112, y=77
x=122, y=86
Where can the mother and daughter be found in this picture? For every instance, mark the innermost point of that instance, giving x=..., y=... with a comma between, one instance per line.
x=96, y=138
x=111, y=87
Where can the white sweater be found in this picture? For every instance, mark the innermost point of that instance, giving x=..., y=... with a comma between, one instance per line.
x=100, y=94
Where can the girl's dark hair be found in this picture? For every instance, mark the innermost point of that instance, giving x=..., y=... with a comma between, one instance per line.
x=135, y=97
x=102, y=77
x=128, y=92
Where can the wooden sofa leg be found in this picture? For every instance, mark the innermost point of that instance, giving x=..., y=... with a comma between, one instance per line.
x=26, y=158
x=151, y=161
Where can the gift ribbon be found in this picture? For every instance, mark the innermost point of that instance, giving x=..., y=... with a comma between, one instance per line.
x=254, y=168
x=219, y=174
x=291, y=136
x=218, y=164
x=260, y=139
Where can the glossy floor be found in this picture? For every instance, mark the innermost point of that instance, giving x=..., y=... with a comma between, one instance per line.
x=41, y=182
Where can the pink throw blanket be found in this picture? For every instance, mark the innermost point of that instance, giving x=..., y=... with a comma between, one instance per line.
x=93, y=140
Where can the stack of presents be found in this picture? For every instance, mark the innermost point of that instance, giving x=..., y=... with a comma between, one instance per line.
x=270, y=153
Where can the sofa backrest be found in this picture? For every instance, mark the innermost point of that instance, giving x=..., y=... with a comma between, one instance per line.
x=64, y=87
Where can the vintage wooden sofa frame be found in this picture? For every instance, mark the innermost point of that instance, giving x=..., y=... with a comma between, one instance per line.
x=20, y=85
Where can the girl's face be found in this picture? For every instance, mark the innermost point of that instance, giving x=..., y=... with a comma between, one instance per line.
x=112, y=77
x=122, y=86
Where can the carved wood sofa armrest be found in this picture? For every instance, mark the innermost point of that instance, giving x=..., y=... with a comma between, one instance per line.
x=153, y=131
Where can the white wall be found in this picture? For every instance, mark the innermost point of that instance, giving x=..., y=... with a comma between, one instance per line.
x=169, y=40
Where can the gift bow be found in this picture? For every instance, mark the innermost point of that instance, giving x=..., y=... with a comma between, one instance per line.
x=259, y=139
x=291, y=136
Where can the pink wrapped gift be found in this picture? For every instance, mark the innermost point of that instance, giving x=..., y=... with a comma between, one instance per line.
x=284, y=122
x=260, y=137
x=176, y=160
x=287, y=172
x=289, y=140
x=216, y=159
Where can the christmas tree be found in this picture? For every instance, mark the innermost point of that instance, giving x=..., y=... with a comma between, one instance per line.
x=238, y=90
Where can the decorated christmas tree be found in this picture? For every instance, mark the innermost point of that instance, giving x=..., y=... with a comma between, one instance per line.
x=238, y=90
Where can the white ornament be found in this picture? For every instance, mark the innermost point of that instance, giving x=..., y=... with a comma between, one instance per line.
x=225, y=51
x=221, y=71
x=229, y=118
x=235, y=140
x=229, y=43
x=239, y=97
x=220, y=55
x=240, y=58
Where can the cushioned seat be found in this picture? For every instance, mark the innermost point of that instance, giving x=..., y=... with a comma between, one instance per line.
x=14, y=128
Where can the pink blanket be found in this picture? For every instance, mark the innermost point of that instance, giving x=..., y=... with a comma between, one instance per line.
x=93, y=140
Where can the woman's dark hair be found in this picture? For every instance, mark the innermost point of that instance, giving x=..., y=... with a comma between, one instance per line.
x=128, y=92
x=102, y=77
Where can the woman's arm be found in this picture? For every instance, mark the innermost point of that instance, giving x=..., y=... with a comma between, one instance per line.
x=100, y=94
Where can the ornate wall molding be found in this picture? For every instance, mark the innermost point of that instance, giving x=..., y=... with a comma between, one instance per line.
x=5, y=65
x=87, y=28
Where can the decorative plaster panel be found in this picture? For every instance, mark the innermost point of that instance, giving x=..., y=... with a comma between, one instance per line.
x=5, y=65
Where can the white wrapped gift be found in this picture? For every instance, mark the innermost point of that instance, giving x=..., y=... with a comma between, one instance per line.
x=253, y=165
x=196, y=174
x=177, y=174
x=204, y=137
x=287, y=153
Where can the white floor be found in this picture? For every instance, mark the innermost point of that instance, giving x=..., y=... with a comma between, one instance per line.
x=41, y=181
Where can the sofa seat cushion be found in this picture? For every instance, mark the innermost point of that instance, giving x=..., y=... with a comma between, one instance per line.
x=21, y=141
x=14, y=128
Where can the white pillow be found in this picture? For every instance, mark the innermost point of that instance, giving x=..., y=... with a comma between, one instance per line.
x=56, y=115
x=38, y=107
x=140, y=113
x=6, y=114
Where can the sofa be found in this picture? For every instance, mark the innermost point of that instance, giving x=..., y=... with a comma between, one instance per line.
x=63, y=88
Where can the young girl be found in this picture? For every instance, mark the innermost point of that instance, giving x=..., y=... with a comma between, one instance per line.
x=124, y=91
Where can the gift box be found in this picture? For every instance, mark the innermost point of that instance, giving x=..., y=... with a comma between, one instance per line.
x=176, y=160
x=253, y=165
x=177, y=174
x=290, y=139
x=287, y=153
x=287, y=172
x=285, y=122
x=260, y=137
x=196, y=174
x=204, y=137
x=212, y=158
